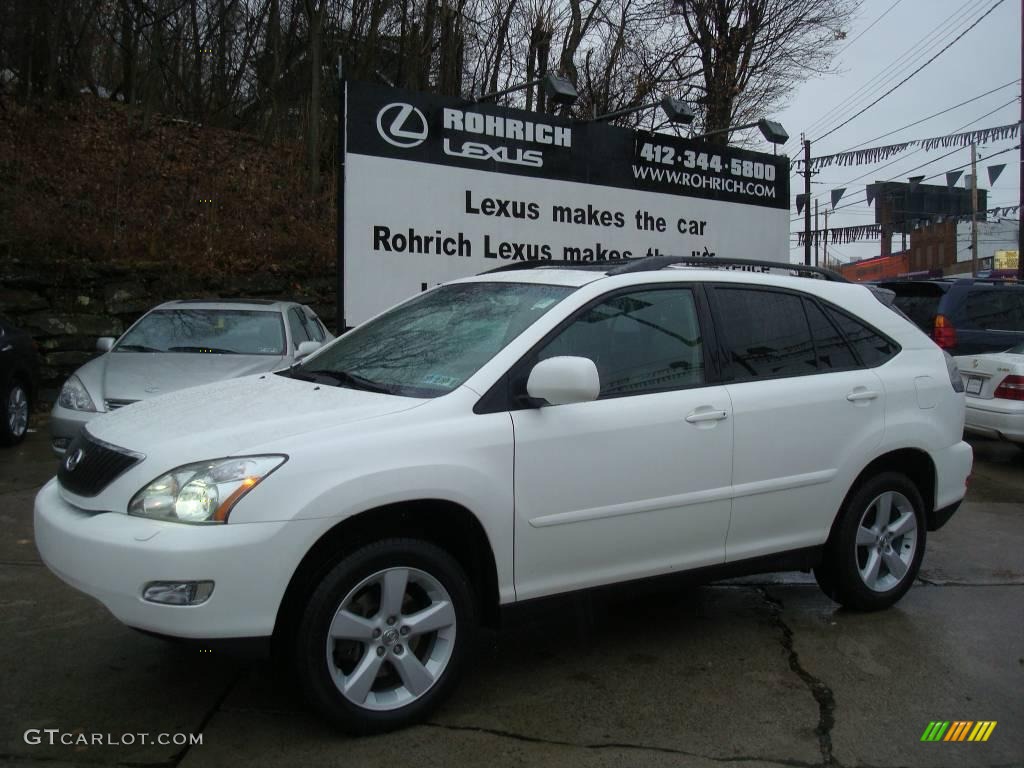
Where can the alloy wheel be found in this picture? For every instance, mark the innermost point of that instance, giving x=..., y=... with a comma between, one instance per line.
x=886, y=541
x=391, y=638
x=17, y=411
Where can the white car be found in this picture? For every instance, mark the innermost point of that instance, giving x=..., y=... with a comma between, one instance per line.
x=511, y=436
x=995, y=394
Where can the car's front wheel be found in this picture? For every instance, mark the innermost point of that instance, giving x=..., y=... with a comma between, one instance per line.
x=875, y=551
x=385, y=635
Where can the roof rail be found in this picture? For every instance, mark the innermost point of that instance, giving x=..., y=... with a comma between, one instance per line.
x=653, y=263
x=515, y=266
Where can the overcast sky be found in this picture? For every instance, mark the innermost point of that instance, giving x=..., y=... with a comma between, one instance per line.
x=887, y=41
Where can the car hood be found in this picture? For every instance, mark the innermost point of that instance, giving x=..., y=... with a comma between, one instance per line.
x=141, y=375
x=234, y=416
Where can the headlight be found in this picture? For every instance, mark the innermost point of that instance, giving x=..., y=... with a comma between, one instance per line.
x=73, y=395
x=204, y=492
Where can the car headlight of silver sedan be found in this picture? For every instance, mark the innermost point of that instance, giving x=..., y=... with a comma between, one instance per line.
x=75, y=396
x=203, y=492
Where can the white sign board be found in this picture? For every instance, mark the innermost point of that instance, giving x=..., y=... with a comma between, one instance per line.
x=436, y=190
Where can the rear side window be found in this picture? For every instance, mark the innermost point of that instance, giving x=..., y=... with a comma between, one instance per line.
x=871, y=347
x=833, y=353
x=995, y=309
x=297, y=323
x=766, y=334
x=314, y=328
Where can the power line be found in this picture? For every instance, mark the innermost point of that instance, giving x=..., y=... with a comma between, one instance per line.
x=908, y=77
x=867, y=28
x=937, y=114
x=891, y=71
x=936, y=37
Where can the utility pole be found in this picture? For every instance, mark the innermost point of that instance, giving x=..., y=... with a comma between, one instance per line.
x=816, y=231
x=807, y=201
x=1020, y=174
x=974, y=210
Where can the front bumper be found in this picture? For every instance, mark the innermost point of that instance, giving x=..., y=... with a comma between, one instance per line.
x=65, y=424
x=111, y=556
x=1003, y=420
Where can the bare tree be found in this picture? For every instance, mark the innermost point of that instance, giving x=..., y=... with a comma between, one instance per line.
x=753, y=52
x=315, y=18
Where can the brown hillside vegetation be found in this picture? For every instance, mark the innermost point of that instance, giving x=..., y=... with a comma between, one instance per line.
x=85, y=181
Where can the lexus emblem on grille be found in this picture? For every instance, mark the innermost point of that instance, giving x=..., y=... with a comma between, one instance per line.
x=72, y=460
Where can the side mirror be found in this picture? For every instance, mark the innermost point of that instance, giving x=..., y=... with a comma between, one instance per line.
x=564, y=380
x=104, y=343
x=306, y=348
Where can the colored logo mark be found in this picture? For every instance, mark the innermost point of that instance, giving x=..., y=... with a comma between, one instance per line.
x=958, y=730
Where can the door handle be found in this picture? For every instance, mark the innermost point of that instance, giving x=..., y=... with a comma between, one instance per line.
x=859, y=395
x=698, y=416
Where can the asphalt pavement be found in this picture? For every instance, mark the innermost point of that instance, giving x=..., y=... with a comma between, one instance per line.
x=761, y=671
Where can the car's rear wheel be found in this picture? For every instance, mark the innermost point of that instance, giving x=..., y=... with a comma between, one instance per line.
x=14, y=412
x=874, y=553
x=385, y=635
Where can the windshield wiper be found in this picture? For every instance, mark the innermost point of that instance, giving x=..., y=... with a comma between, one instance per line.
x=136, y=348
x=343, y=379
x=214, y=350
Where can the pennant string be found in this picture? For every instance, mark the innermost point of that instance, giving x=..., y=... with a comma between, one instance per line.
x=845, y=235
x=869, y=155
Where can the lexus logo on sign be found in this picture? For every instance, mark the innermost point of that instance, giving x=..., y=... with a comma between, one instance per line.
x=402, y=125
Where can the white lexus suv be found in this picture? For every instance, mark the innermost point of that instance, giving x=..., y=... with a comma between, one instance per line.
x=506, y=437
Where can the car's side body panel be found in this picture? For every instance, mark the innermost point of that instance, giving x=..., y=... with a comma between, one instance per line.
x=790, y=472
x=620, y=488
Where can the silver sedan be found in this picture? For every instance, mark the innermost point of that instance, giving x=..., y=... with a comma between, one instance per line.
x=182, y=344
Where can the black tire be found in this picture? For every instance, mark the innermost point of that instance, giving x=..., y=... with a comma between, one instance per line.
x=423, y=561
x=841, y=574
x=9, y=436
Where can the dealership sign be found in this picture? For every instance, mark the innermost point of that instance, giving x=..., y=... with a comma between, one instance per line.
x=436, y=188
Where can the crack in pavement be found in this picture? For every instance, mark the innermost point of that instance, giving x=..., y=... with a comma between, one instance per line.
x=620, y=745
x=933, y=583
x=819, y=689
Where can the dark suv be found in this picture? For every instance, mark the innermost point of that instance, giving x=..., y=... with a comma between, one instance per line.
x=964, y=316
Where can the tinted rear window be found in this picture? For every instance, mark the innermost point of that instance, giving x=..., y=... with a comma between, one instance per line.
x=997, y=309
x=921, y=308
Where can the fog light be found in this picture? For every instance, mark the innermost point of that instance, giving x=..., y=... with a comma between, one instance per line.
x=178, y=592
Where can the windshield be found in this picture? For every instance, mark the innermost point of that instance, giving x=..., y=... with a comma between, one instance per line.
x=211, y=331
x=1017, y=350
x=431, y=344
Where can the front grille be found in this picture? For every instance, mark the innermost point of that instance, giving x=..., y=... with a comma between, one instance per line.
x=89, y=465
x=113, y=405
